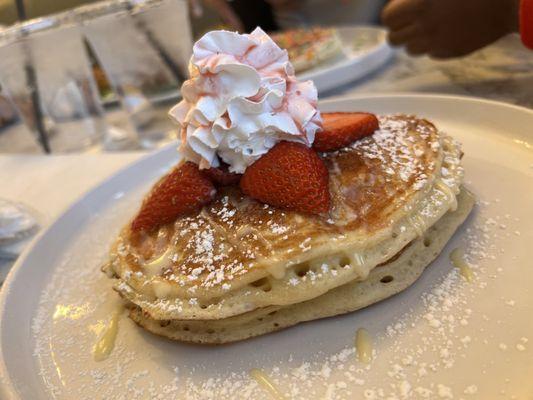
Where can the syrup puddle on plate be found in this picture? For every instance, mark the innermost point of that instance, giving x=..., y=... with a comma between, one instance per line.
x=106, y=343
x=263, y=380
x=457, y=258
x=363, y=345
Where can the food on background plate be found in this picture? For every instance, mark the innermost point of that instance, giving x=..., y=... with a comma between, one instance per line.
x=278, y=214
x=7, y=113
x=308, y=47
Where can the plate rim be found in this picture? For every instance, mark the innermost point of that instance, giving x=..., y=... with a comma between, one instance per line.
x=7, y=387
x=429, y=96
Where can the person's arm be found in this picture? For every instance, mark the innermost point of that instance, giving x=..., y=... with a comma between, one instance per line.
x=526, y=22
x=449, y=28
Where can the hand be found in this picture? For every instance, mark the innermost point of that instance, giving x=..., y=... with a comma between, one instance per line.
x=222, y=8
x=448, y=28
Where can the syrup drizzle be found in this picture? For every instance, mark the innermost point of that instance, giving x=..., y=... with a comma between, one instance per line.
x=458, y=261
x=260, y=377
x=105, y=345
x=363, y=345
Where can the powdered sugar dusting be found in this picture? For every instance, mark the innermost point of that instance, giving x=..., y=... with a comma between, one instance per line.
x=442, y=338
x=395, y=146
x=442, y=320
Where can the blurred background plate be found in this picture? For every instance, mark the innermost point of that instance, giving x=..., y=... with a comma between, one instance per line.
x=442, y=337
x=365, y=50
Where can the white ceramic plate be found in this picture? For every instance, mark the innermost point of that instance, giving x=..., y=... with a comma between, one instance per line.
x=442, y=337
x=365, y=49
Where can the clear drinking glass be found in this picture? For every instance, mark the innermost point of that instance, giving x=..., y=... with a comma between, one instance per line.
x=137, y=70
x=167, y=22
x=15, y=137
x=16, y=72
x=46, y=72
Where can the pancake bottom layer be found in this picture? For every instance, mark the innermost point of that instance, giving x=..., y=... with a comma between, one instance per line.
x=383, y=282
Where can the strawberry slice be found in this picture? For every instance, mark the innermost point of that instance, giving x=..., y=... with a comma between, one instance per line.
x=184, y=190
x=343, y=128
x=290, y=176
x=221, y=176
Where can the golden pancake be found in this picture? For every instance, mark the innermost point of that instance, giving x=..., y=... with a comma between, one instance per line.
x=237, y=255
x=395, y=275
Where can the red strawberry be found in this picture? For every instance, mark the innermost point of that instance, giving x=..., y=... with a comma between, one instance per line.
x=290, y=176
x=221, y=176
x=342, y=129
x=184, y=190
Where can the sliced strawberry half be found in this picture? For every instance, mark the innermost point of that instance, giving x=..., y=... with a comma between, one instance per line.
x=343, y=128
x=290, y=176
x=221, y=176
x=184, y=190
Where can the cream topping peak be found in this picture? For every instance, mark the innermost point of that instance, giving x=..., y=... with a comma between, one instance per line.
x=241, y=99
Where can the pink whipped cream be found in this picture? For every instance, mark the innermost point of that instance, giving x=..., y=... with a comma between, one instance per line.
x=241, y=99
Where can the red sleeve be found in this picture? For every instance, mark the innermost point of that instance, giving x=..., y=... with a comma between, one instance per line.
x=526, y=22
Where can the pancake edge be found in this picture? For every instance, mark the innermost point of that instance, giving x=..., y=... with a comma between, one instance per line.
x=344, y=299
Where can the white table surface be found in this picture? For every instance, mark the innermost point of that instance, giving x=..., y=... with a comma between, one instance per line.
x=49, y=184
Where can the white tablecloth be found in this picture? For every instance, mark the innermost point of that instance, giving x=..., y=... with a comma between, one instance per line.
x=49, y=184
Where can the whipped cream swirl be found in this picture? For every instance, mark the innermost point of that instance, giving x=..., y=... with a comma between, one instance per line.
x=241, y=99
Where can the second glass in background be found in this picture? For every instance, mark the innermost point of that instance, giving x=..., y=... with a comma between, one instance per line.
x=143, y=71
x=45, y=71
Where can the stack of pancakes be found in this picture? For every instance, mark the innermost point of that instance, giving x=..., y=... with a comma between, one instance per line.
x=239, y=268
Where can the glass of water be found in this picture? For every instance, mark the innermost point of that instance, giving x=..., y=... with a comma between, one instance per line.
x=168, y=25
x=45, y=69
x=139, y=72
